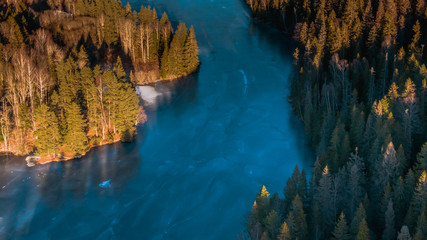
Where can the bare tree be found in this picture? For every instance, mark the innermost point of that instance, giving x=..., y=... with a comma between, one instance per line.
x=126, y=35
x=5, y=124
x=42, y=81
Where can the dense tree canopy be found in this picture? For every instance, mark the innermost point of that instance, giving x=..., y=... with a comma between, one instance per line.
x=68, y=69
x=361, y=67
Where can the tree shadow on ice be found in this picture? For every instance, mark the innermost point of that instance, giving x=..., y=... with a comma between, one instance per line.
x=118, y=163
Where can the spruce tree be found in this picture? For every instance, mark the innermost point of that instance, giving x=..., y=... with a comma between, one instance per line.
x=272, y=223
x=389, y=231
x=262, y=203
x=363, y=233
x=191, y=52
x=285, y=233
x=341, y=231
x=119, y=71
x=127, y=112
x=421, y=229
x=176, y=51
x=47, y=132
x=300, y=229
x=419, y=200
x=75, y=140
x=359, y=216
x=165, y=64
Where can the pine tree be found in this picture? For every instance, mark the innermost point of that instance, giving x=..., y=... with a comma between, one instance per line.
x=127, y=112
x=416, y=37
x=389, y=231
x=272, y=223
x=47, y=132
x=176, y=51
x=285, y=233
x=290, y=191
x=191, y=52
x=356, y=127
x=82, y=57
x=165, y=67
x=341, y=229
x=359, y=216
x=262, y=203
x=421, y=163
x=165, y=30
x=363, y=233
x=109, y=30
x=323, y=196
x=16, y=38
x=419, y=200
x=300, y=228
x=334, y=35
x=421, y=229
x=355, y=183
x=75, y=139
x=119, y=71
x=399, y=197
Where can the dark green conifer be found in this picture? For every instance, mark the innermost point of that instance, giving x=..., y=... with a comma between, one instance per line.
x=47, y=132
x=75, y=139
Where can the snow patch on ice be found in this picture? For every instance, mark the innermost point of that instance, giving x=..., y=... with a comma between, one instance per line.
x=105, y=184
x=147, y=93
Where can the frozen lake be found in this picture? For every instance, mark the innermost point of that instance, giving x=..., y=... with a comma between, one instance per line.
x=210, y=142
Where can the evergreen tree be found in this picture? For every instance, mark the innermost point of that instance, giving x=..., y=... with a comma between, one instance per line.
x=359, y=216
x=389, y=231
x=300, y=228
x=341, y=229
x=262, y=203
x=127, y=112
x=119, y=71
x=272, y=223
x=284, y=232
x=165, y=68
x=75, y=138
x=421, y=229
x=363, y=233
x=47, y=132
x=176, y=51
x=109, y=31
x=191, y=52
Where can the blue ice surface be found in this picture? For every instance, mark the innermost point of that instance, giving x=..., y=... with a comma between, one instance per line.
x=105, y=184
x=235, y=141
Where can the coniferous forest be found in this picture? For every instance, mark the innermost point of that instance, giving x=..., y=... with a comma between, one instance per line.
x=69, y=68
x=360, y=87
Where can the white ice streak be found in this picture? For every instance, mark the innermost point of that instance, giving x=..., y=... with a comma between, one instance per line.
x=245, y=79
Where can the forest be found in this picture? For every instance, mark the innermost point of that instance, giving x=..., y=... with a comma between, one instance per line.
x=69, y=68
x=359, y=85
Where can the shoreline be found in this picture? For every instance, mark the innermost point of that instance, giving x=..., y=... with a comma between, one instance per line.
x=47, y=160
x=65, y=157
x=169, y=78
